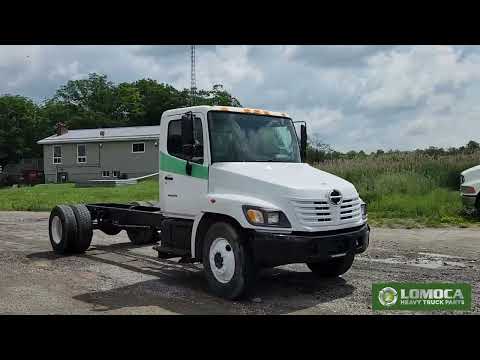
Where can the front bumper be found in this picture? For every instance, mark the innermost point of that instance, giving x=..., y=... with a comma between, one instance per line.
x=469, y=201
x=278, y=249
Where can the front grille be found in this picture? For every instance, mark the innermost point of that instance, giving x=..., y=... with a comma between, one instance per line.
x=316, y=213
x=350, y=209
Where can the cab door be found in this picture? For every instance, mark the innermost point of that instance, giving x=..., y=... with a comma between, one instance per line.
x=183, y=192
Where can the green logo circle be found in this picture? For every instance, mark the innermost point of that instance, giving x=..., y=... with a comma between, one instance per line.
x=388, y=296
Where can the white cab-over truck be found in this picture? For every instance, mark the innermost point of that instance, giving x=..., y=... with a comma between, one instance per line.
x=470, y=188
x=235, y=195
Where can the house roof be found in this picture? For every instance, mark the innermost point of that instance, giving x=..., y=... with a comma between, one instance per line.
x=110, y=134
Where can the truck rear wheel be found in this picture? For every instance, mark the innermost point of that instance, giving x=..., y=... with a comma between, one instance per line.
x=227, y=261
x=84, y=229
x=333, y=267
x=62, y=229
x=141, y=237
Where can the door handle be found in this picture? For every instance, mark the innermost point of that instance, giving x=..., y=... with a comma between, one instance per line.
x=168, y=178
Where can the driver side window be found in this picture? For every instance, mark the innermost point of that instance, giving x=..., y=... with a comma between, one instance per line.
x=174, y=140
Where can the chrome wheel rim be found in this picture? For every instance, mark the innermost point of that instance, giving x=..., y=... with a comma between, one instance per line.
x=222, y=260
x=57, y=230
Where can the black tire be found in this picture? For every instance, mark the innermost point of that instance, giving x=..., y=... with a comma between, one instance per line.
x=244, y=274
x=333, y=267
x=62, y=228
x=110, y=229
x=142, y=237
x=84, y=229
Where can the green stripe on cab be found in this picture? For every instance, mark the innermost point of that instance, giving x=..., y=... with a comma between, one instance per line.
x=178, y=166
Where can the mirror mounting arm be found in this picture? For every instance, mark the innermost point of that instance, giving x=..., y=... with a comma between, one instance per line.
x=188, y=168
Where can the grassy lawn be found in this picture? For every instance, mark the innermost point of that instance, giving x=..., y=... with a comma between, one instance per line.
x=45, y=197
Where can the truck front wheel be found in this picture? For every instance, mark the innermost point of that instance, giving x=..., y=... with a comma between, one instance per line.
x=333, y=267
x=227, y=261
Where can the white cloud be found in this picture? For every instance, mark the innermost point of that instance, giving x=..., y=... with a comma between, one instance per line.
x=353, y=97
x=405, y=78
x=321, y=121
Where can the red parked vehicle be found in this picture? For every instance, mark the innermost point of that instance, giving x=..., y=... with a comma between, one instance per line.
x=32, y=177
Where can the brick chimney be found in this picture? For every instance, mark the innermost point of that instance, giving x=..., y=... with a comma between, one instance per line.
x=61, y=129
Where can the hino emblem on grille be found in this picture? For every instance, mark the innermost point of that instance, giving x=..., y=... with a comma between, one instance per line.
x=335, y=197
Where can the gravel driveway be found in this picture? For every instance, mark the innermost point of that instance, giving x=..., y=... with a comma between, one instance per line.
x=115, y=277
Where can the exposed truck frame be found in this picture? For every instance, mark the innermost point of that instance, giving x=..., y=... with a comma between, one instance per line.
x=233, y=214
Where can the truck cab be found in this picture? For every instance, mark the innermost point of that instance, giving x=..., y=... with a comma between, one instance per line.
x=470, y=188
x=236, y=194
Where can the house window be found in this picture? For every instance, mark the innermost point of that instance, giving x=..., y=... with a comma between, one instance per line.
x=138, y=147
x=105, y=173
x=116, y=173
x=57, y=154
x=81, y=153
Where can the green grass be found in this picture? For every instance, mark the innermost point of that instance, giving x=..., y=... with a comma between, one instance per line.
x=45, y=197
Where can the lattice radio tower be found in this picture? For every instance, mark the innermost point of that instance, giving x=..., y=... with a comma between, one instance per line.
x=193, y=80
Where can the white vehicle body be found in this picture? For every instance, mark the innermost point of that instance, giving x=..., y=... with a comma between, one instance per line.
x=235, y=195
x=470, y=187
x=290, y=187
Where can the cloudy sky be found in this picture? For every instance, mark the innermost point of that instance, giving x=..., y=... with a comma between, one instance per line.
x=352, y=97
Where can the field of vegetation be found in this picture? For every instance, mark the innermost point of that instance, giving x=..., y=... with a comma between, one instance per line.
x=409, y=189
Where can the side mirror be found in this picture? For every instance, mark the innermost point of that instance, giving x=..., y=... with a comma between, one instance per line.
x=187, y=129
x=303, y=142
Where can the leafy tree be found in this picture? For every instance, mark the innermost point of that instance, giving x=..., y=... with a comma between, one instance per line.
x=18, y=124
x=156, y=98
x=472, y=146
x=127, y=104
x=90, y=102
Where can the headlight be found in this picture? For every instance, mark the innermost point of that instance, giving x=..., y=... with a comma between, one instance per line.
x=462, y=179
x=364, y=211
x=265, y=217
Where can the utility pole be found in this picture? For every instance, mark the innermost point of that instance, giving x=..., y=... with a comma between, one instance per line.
x=193, y=81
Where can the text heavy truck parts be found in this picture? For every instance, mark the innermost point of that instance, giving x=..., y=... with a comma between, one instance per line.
x=235, y=195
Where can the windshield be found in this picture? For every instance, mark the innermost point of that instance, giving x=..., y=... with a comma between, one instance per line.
x=237, y=137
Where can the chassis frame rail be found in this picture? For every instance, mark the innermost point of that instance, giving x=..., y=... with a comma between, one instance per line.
x=125, y=216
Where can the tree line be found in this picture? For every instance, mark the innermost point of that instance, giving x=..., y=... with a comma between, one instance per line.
x=92, y=103
x=318, y=151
